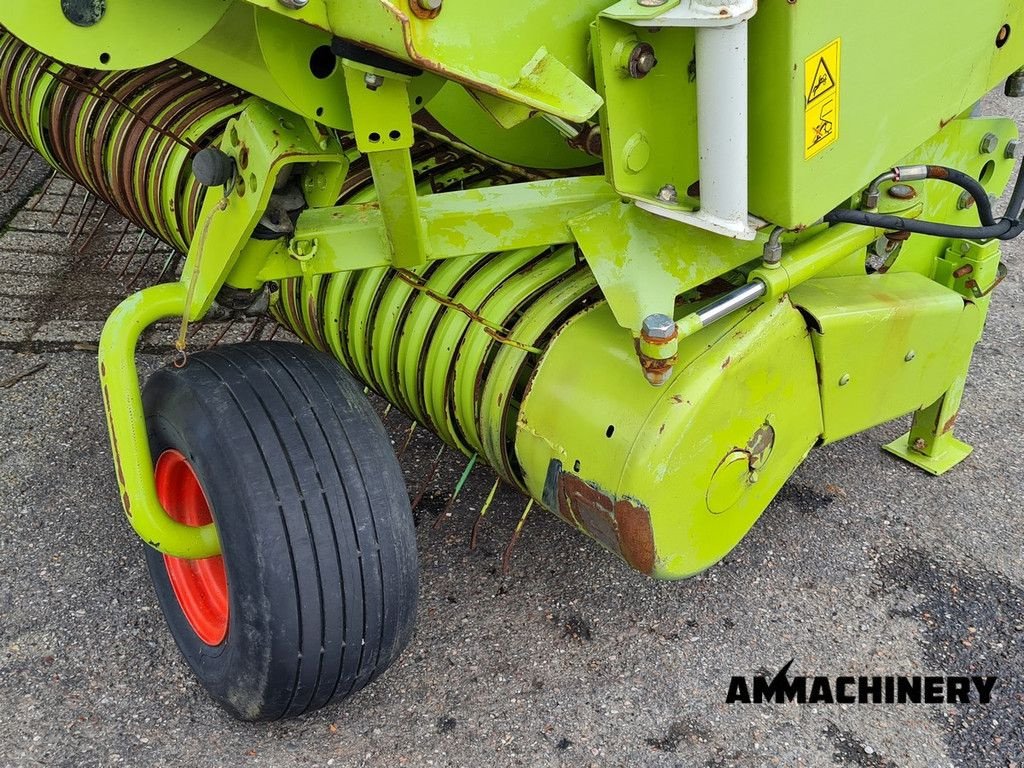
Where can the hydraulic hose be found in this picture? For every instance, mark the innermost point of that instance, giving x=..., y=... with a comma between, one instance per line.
x=1008, y=227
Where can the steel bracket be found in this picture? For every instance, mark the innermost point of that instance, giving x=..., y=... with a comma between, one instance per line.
x=263, y=140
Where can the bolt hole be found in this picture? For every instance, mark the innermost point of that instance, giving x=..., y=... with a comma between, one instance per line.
x=243, y=158
x=576, y=466
x=987, y=172
x=323, y=62
x=610, y=431
x=319, y=111
x=374, y=137
x=1004, y=36
x=395, y=135
x=252, y=182
x=419, y=100
x=104, y=58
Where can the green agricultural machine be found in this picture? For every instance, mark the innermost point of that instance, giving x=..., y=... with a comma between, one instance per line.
x=639, y=257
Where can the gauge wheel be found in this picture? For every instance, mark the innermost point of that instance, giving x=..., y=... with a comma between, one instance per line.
x=314, y=593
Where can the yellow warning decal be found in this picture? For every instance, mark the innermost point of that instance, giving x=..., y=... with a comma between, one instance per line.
x=821, y=99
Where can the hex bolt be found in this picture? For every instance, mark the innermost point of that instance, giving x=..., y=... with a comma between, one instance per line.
x=1012, y=147
x=641, y=61
x=902, y=192
x=966, y=201
x=989, y=143
x=1015, y=84
x=430, y=5
x=373, y=82
x=668, y=194
x=295, y=5
x=83, y=13
x=910, y=356
x=658, y=327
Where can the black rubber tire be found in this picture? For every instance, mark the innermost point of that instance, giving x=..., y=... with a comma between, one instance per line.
x=317, y=535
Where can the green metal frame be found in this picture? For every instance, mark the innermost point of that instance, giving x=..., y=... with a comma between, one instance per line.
x=813, y=380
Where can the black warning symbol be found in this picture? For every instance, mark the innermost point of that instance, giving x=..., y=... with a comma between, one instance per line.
x=822, y=83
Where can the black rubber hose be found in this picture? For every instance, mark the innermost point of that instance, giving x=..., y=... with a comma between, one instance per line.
x=1005, y=229
x=971, y=185
x=1015, y=208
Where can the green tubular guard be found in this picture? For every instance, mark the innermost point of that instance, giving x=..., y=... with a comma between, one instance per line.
x=127, y=423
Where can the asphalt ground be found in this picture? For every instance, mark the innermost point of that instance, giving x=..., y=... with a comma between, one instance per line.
x=862, y=566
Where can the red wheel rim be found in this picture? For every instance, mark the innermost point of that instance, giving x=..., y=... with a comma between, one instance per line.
x=201, y=586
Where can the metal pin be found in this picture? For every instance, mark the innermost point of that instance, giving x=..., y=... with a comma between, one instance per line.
x=64, y=205
x=134, y=253
x=446, y=512
x=117, y=248
x=42, y=193
x=169, y=264
x=145, y=261
x=408, y=439
x=483, y=512
x=21, y=170
x=221, y=335
x=10, y=163
x=430, y=478
x=73, y=234
x=95, y=229
x=506, y=557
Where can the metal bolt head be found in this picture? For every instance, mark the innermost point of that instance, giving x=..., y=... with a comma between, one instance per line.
x=902, y=192
x=844, y=380
x=295, y=5
x=651, y=3
x=373, y=82
x=910, y=356
x=668, y=194
x=429, y=5
x=989, y=143
x=1012, y=148
x=772, y=253
x=659, y=327
x=966, y=201
x=869, y=200
x=641, y=61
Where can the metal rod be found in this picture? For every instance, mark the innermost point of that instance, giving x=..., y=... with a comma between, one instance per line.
x=731, y=302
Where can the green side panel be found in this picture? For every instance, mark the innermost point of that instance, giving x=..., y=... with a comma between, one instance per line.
x=906, y=69
x=525, y=52
x=670, y=478
x=886, y=345
x=533, y=144
x=127, y=35
x=289, y=64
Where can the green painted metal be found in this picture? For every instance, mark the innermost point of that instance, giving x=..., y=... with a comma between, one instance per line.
x=546, y=73
x=452, y=224
x=650, y=127
x=129, y=35
x=501, y=307
x=122, y=398
x=651, y=473
x=922, y=332
x=228, y=220
x=533, y=144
